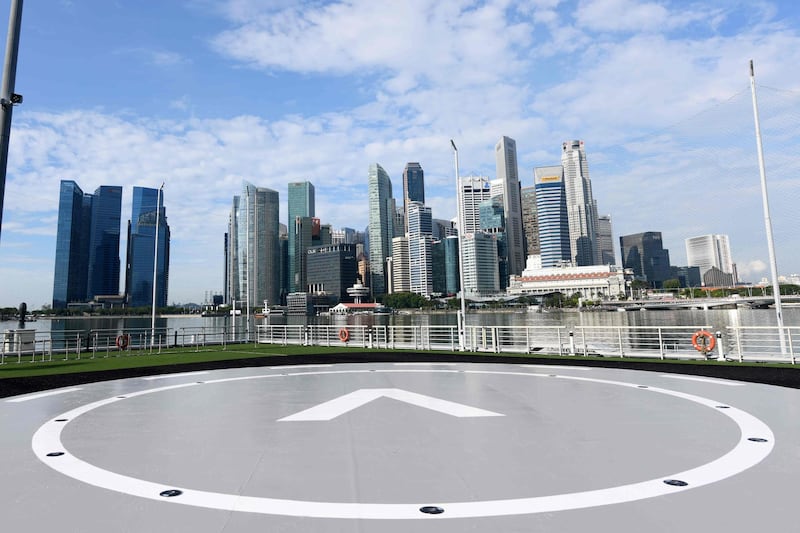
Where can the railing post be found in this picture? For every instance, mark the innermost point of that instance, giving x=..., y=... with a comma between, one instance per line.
x=739, y=345
x=791, y=347
x=660, y=344
x=621, y=344
x=572, y=342
x=720, y=350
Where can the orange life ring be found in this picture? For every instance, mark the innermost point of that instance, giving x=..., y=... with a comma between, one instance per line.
x=344, y=335
x=707, y=344
x=122, y=341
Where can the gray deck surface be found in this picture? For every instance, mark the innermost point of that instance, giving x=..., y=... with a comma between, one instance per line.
x=569, y=433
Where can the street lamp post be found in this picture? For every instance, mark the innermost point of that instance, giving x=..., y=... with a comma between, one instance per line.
x=155, y=267
x=462, y=315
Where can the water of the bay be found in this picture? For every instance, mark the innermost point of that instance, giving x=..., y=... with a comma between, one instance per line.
x=716, y=319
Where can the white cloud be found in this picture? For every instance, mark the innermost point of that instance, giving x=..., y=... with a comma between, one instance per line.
x=431, y=71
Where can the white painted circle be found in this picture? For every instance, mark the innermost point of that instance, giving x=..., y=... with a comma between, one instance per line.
x=744, y=455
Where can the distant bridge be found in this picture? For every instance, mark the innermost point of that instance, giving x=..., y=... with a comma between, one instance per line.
x=751, y=302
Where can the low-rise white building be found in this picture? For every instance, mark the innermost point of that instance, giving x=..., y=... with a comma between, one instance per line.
x=597, y=282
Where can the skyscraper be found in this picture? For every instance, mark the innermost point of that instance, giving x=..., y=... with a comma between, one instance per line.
x=141, y=255
x=308, y=233
x=381, y=225
x=530, y=221
x=551, y=208
x=420, y=239
x=474, y=190
x=508, y=174
x=708, y=251
x=232, y=254
x=104, y=266
x=644, y=253
x=332, y=269
x=413, y=187
x=481, y=275
x=72, y=241
x=400, y=267
x=605, y=240
x=257, y=246
x=300, y=204
x=87, y=244
x=493, y=222
x=581, y=206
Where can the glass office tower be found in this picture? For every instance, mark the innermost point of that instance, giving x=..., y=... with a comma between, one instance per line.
x=381, y=226
x=104, y=265
x=87, y=244
x=146, y=208
x=72, y=241
x=300, y=203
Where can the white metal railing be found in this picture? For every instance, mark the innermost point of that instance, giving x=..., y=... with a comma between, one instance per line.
x=30, y=346
x=763, y=343
x=741, y=343
x=663, y=342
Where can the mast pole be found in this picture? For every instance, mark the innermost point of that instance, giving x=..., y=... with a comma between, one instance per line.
x=773, y=263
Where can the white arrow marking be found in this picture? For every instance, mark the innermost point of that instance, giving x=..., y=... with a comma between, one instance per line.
x=343, y=404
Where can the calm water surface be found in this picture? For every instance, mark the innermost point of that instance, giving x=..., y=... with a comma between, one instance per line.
x=716, y=319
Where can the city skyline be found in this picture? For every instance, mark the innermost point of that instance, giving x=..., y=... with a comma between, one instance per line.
x=143, y=95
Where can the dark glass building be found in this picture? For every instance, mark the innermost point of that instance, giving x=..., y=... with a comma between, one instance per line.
x=645, y=255
x=452, y=276
x=72, y=241
x=145, y=210
x=331, y=269
x=413, y=187
x=103, y=279
x=300, y=203
x=87, y=244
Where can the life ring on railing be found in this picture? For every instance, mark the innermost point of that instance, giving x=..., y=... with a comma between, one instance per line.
x=344, y=335
x=704, y=341
x=123, y=341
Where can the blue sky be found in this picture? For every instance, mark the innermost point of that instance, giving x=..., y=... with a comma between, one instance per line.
x=202, y=94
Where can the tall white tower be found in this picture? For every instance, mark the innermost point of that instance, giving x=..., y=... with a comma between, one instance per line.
x=581, y=205
x=707, y=251
x=505, y=153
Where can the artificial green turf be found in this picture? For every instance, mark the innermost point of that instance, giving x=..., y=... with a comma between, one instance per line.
x=143, y=359
x=173, y=356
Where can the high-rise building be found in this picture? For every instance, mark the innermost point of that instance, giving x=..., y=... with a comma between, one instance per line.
x=581, y=205
x=474, y=190
x=443, y=228
x=530, y=221
x=551, y=208
x=707, y=251
x=87, y=244
x=400, y=270
x=232, y=254
x=308, y=233
x=257, y=250
x=104, y=265
x=508, y=175
x=493, y=222
x=381, y=226
x=439, y=270
x=300, y=203
x=72, y=241
x=605, y=240
x=331, y=269
x=413, y=186
x=452, y=276
x=420, y=239
x=147, y=211
x=481, y=275
x=644, y=253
